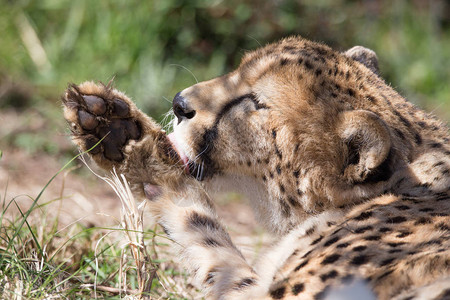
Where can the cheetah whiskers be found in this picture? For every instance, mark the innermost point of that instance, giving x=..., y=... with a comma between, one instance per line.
x=183, y=67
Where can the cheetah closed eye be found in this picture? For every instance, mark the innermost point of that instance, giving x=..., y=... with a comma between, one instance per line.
x=352, y=178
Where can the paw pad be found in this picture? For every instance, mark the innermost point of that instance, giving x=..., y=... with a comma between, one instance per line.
x=96, y=112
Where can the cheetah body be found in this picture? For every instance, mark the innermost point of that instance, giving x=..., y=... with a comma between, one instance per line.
x=353, y=179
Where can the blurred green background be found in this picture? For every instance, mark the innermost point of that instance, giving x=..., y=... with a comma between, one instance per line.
x=156, y=48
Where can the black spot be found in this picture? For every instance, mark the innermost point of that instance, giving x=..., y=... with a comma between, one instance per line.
x=278, y=152
x=270, y=174
x=359, y=248
x=442, y=214
x=212, y=242
x=301, y=265
x=402, y=207
x=274, y=133
x=296, y=174
x=359, y=260
x=394, y=245
x=399, y=133
x=282, y=189
x=337, y=230
x=285, y=209
x=396, y=220
x=264, y=178
x=307, y=253
x=299, y=192
x=372, y=238
x=330, y=259
x=321, y=295
x=351, y=92
x=435, y=145
x=245, y=283
x=395, y=250
x=422, y=221
x=300, y=61
x=298, y=288
x=284, y=62
x=363, y=229
x=308, y=65
x=310, y=231
x=403, y=234
x=210, y=277
x=331, y=241
x=426, y=209
x=278, y=169
x=343, y=245
x=317, y=240
x=278, y=293
x=439, y=163
x=402, y=119
x=444, y=295
x=418, y=138
x=386, y=262
x=371, y=98
x=432, y=242
x=330, y=275
x=249, y=163
x=334, y=95
x=288, y=48
x=422, y=124
x=363, y=216
x=442, y=227
x=293, y=202
x=384, y=274
x=166, y=230
x=198, y=221
x=318, y=72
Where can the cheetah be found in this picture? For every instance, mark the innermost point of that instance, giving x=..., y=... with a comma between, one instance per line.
x=351, y=177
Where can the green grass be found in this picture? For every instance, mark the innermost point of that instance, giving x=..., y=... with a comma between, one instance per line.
x=39, y=259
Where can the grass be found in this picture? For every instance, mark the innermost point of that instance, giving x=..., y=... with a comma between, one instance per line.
x=41, y=260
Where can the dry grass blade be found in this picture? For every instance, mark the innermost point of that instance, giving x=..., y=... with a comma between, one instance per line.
x=133, y=228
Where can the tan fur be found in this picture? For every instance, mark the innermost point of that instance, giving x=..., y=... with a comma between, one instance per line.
x=356, y=179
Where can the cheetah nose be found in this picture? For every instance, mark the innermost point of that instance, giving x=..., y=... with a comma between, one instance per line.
x=181, y=108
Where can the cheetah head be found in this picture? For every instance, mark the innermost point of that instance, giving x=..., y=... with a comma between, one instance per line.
x=290, y=117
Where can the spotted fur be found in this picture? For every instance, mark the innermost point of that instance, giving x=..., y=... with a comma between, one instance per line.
x=353, y=178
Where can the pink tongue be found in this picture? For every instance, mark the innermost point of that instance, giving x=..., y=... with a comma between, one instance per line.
x=183, y=156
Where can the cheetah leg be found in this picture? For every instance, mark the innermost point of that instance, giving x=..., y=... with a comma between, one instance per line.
x=189, y=219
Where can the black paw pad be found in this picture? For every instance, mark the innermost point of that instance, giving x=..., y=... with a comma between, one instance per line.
x=120, y=108
x=87, y=120
x=95, y=105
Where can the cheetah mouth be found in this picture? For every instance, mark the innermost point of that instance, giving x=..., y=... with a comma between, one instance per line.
x=197, y=170
x=182, y=156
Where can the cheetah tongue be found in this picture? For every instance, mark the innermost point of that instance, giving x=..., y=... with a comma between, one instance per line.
x=180, y=153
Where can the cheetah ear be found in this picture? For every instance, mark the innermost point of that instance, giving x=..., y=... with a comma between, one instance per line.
x=367, y=142
x=365, y=56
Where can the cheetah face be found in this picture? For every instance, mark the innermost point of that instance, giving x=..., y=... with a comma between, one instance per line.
x=290, y=116
x=216, y=125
